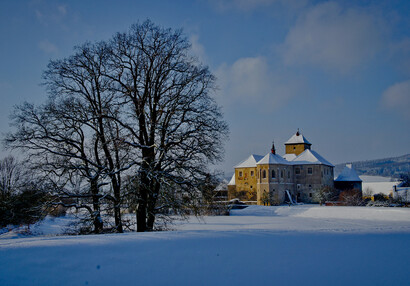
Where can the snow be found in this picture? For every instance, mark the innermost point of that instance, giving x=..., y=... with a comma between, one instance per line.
x=310, y=157
x=379, y=187
x=299, y=245
x=289, y=157
x=232, y=181
x=348, y=175
x=272, y=159
x=297, y=138
x=250, y=161
x=376, y=179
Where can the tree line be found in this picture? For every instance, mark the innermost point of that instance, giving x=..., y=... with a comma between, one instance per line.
x=129, y=123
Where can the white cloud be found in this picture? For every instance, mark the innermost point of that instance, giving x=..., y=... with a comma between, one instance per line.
x=397, y=97
x=47, y=47
x=50, y=14
x=248, y=5
x=400, y=53
x=62, y=9
x=332, y=37
x=249, y=81
x=196, y=47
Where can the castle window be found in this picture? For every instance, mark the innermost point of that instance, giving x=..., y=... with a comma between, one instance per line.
x=281, y=173
x=264, y=174
x=240, y=174
x=273, y=174
x=288, y=174
x=251, y=187
x=297, y=171
x=310, y=186
x=310, y=170
x=251, y=173
x=310, y=195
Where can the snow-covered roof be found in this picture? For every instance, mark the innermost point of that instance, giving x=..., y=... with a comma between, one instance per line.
x=289, y=157
x=310, y=157
x=297, y=139
x=249, y=162
x=348, y=175
x=273, y=159
x=232, y=181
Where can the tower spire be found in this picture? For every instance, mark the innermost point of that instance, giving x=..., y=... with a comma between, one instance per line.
x=273, y=151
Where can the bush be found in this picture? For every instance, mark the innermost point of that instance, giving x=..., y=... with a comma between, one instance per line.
x=380, y=197
x=351, y=197
x=26, y=207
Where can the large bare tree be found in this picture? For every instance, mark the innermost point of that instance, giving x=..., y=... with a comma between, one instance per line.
x=177, y=126
x=139, y=100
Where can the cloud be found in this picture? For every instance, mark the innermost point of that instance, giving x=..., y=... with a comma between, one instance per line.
x=249, y=5
x=333, y=38
x=196, y=48
x=62, y=9
x=400, y=54
x=397, y=97
x=249, y=81
x=50, y=14
x=47, y=47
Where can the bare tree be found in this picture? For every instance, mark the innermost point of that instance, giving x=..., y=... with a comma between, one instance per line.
x=83, y=76
x=173, y=121
x=10, y=176
x=138, y=100
x=326, y=193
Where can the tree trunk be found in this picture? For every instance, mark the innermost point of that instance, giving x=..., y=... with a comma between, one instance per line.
x=151, y=206
x=117, y=208
x=142, y=208
x=98, y=224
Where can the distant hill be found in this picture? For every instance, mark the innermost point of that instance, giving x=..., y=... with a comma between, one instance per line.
x=389, y=167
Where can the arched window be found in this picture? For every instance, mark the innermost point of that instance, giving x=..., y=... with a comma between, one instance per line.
x=264, y=174
x=273, y=174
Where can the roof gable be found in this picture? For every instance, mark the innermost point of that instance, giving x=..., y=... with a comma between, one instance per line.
x=273, y=159
x=249, y=162
x=348, y=175
x=311, y=157
x=232, y=181
x=297, y=138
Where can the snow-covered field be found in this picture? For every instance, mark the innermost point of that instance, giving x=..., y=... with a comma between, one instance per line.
x=300, y=245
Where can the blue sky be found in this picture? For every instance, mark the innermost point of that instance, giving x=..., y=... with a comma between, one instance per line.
x=338, y=70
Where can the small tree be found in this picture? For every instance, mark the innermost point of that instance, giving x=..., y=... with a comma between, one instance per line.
x=326, y=193
x=351, y=197
x=405, y=179
x=23, y=196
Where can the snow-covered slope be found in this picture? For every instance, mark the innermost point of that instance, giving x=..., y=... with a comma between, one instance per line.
x=303, y=245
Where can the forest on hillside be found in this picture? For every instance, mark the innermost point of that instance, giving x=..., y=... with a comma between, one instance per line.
x=388, y=167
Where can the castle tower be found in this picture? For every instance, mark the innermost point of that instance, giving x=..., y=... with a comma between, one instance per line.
x=297, y=144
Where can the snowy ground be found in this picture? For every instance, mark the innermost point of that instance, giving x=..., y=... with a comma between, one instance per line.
x=303, y=245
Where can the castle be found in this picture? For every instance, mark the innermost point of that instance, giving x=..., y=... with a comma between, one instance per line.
x=273, y=179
